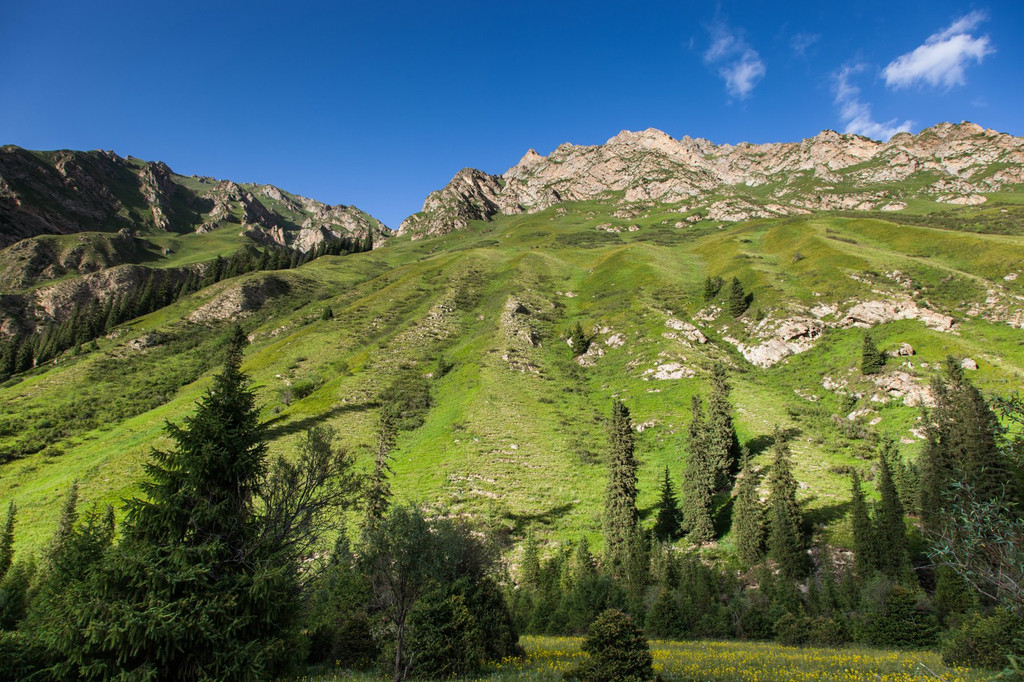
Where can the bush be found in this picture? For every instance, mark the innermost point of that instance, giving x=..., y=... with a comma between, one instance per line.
x=442, y=637
x=985, y=642
x=617, y=650
x=895, y=617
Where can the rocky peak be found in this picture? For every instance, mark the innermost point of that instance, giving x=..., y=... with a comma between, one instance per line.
x=471, y=195
x=650, y=166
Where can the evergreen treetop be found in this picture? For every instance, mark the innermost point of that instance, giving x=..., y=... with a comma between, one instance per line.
x=668, y=523
x=621, y=515
x=748, y=517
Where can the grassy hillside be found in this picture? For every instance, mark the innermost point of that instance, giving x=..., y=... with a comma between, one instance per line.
x=515, y=431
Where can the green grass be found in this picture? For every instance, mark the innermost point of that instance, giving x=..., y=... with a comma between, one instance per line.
x=515, y=437
x=549, y=658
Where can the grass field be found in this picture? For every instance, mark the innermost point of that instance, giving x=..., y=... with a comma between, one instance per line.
x=549, y=658
x=515, y=435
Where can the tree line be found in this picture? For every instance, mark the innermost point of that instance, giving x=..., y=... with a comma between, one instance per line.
x=159, y=288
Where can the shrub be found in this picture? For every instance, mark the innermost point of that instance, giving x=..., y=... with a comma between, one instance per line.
x=985, y=642
x=617, y=650
x=894, y=617
x=442, y=637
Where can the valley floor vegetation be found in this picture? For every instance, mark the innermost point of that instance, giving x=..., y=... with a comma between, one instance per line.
x=223, y=568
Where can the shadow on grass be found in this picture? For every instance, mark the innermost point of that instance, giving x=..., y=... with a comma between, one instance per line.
x=278, y=426
x=520, y=522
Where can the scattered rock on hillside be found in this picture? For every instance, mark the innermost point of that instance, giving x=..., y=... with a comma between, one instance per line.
x=669, y=370
x=871, y=313
x=904, y=351
x=240, y=299
x=688, y=330
x=902, y=386
x=969, y=363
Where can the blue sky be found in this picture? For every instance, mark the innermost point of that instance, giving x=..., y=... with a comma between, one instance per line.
x=378, y=103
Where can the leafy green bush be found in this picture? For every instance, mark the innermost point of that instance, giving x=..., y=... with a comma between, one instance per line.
x=895, y=617
x=617, y=650
x=985, y=642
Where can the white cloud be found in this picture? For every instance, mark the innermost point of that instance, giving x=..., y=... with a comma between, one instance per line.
x=739, y=65
x=943, y=57
x=856, y=114
x=800, y=42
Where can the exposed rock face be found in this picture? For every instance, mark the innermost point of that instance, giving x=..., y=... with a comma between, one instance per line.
x=64, y=192
x=240, y=299
x=41, y=258
x=870, y=313
x=782, y=338
x=902, y=386
x=57, y=301
x=471, y=195
x=651, y=166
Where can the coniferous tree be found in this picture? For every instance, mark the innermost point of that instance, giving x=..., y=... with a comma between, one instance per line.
x=699, y=479
x=327, y=314
x=530, y=573
x=872, y=360
x=865, y=544
x=785, y=538
x=960, y=447
x=712, y=285
x=579, y=341
x=7, y=541
x=890, y=526
x=748, y=518
x=669, y=521
x=721, y=442
x=621, y=515
x=206, y=581
x=737, y=298
x=378, y=493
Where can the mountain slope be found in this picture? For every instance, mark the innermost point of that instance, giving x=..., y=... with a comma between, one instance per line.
x=476, y=321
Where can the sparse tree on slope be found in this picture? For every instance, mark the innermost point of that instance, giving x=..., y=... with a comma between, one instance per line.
x=621, y=515
x=722, y=444
x=669, y=522
x=699, y=479
x=872, y=360
x=378, y=494
x=864, y=542
x=890, y=527
x=785, y=540
x=748, y=518
x=737, y=298
x=7, y=541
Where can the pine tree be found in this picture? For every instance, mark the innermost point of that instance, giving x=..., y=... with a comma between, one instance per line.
x=890, y=527
x=722, y=444
x=378, y=493
x=737, y=298
x=699, y=479
x=578, y=340
x=669, y=521
x=712, y=285
x=864, y=541
x=327, y=314
x=960, y=447
x=872, y=360
x=748, y=518
x=206, y=580
x=530, y=572
x=621, y=515
x=7, y=541
x=785, y=538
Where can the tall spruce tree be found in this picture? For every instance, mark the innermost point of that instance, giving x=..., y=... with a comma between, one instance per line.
x=620, y=513
x=721, y=442
x=7, y=541
x=961, y=447
x=206, y=581
x=699, y=478
x=737, y=298
x=890, y=525
x=748, y=515
x=785, y=522
x=378, y=493
x=668, y=524
x=865, y=545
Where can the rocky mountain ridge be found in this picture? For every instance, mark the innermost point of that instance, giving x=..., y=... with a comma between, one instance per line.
x=65, y=192
x=950, y=163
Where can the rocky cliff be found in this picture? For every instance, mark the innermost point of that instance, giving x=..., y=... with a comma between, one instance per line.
x=65, y=192
x=951, y=163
